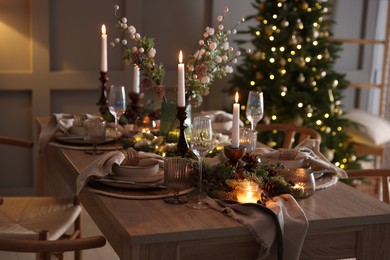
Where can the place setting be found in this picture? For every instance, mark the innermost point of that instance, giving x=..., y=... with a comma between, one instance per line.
x=136, y=175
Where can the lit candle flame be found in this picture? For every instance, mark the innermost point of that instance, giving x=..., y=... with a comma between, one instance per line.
x=103, y=29
x=181, y=57
x=236, y=98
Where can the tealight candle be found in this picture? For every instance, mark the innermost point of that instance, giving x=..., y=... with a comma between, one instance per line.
x=248, y=192
x=103, y=64
x=236, y=124
x=304, y=183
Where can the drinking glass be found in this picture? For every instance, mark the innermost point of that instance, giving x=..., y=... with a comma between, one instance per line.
x=248, y=139
x=176, y=177
x=201, y=144
x=255, y=107
x=95, y=133
x=117, y=106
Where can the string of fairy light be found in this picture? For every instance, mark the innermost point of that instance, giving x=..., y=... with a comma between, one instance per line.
x=293, y=51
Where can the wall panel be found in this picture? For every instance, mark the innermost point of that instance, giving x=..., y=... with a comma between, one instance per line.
x=15, y=35
x=16, y=163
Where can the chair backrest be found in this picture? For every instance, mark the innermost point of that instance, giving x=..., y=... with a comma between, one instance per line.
x=383, y=174
x=15, y=142
x=46, y=248
x=292, y=134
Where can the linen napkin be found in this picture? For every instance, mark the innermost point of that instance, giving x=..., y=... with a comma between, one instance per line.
x=57, y=122
x=309, y=150
x=101, y=167
x=132, y=154
x=279, y=228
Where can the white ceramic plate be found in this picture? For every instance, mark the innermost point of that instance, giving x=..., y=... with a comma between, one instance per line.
x=76, y=139
x=131, y=185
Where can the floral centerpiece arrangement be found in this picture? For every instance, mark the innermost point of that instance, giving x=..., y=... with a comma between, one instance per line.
x=210, y=61
x=142, y=53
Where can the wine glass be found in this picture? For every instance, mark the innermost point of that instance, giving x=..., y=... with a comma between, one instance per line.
x=176, y=177
x=255, y=107
x=117, y=106
x=95, y=133
x=201, y=144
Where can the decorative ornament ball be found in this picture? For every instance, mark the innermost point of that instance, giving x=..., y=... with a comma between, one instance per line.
x=292, y=41
x=329, y=154
x=283, y=88
x=301, y=78
x=304, y=5
x=315, y=34
x=296, y=120
x=282, y=61
x=261, y=6
x=301, y=62
x=284, y=23
x=257, y=55
x=268, y=30
x=259, y=76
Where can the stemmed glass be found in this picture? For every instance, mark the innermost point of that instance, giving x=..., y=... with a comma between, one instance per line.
x=117, y=106
x=176, y=177
x=255, y=107
x=201, y=144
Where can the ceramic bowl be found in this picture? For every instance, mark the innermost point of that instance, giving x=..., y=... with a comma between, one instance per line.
x=77, y=130
x=145, y=168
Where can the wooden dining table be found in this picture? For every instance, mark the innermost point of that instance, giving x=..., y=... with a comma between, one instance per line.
x=343, y=222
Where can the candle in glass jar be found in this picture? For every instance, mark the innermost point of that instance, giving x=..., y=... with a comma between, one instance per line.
x=236, y=123
x=103, y=64
x=135, y=88
x=181, y=83
x=248, y=192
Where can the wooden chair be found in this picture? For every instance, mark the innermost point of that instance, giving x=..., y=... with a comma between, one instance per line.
x=381, y=174
x=292, y=134
x=41, y=224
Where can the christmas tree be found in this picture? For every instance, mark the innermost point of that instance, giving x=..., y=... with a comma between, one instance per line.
x=292, y=62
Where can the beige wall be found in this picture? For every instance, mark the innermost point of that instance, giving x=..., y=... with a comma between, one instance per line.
x=50, y=58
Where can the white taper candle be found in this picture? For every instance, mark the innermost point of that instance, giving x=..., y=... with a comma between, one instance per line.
x=181, y=83
x=236, y=124
x=103, y=64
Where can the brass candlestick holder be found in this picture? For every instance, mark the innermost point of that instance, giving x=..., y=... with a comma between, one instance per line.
x=235, y=155
x=182, y=144
x=103, y=101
